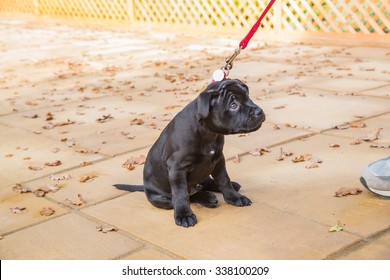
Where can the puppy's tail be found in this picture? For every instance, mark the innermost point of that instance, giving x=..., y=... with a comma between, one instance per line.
x=130, y=188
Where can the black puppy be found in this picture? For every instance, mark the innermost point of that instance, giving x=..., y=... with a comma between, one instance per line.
x=187, y=162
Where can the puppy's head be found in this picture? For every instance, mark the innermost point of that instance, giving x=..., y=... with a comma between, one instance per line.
x=225, y=108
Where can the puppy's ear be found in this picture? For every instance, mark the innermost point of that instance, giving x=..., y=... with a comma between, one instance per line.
x=203, y=103
x=206, y=98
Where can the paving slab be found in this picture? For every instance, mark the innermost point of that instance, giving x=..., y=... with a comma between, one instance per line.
x=226, y=232
x=21, y=150
x=370, y=127
x=319, y=111
x=33, y=205
x=77, y=240
x=148, y=254
x=377, y=249
x=380, y=91
x=99, y=187
x=309, y=193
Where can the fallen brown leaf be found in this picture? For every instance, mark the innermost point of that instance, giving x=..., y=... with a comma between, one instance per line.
x=30, y=115
x=283, y=155
x=344, y=191
x=372, y=135
x=87, y=178
x=137, y=121
x=18, y=210
x=35, y=168
x=49, y=116
x=53, y=163
x=334, y=145
x=236, y=159
x=8, y=155
x=128, y=135
x=342, y=126
x=85, y=163
x=80, y=202
x=129, y=164
x=312, y=165
x=46, y=211
x=106, y=229
x=302, y=158
x=356, y=142
x=105, y=118
x=85, y=151
x=357, y=124
x=259, y=151
x=380, y=145
x=60, y=177
x=20, y=189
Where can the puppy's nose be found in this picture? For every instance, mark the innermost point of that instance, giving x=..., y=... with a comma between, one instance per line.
x=257, y=112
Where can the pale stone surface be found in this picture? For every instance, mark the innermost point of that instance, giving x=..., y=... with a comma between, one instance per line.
x=85, y=74
x=77, y=239
x=377, y=249
x=148, y=254
x=31, y=215
x=227, y=232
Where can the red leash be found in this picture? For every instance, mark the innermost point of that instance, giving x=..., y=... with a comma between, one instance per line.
x=222, y=73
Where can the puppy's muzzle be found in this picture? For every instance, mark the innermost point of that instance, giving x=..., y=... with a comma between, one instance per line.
x=256, y=118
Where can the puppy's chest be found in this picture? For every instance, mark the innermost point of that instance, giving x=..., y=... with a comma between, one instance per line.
x=210, y=150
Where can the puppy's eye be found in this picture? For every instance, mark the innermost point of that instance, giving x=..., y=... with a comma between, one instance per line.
x=233, y=106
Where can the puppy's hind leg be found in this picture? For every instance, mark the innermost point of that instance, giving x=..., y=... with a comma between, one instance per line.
x=205, y=198
x=210, y=185
x=159, y=199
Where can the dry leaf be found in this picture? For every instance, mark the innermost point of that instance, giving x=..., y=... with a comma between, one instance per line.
x=334, y=145
x=35, y=168
x=280, y=107
x=20, y=189
x=276, y=127
x=30, y=115
x=49, y=116
x=342, y=126
x=80, y=202
x=372, y=135
x=356, y=142
x=85, y=151
x=46, y=211
x=87, y=178
x=70, y=142
x=105, y=118
x=53, y=163
x=18, y=210
x=40, y=192
x=343, y=191
x=136, y=121
x=259, y=152
x=283, y=155
x=106, y=229
x=8, y=155
x=85, y=163
x=312, y=165
x=357, y=124
x=236, y=159
x=302, y=158
x=60, y=177
x=129, y=164
x=128, y=135
x=169, y=107
x=336, y=228
x=380, y=145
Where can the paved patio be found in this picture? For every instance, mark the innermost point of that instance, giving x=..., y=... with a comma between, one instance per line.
x=87, y=100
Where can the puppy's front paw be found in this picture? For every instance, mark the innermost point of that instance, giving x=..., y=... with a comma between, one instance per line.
x=186, y=220
x=238, y=200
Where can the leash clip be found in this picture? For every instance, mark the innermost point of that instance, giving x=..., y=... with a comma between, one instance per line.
x=229, y=61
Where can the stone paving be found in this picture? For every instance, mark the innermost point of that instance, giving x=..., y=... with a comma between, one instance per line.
x=86, y=100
